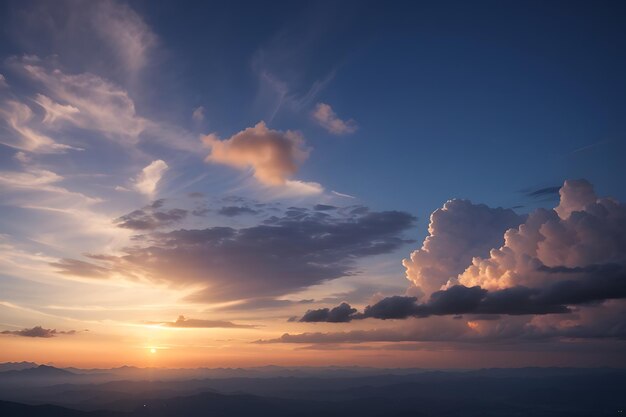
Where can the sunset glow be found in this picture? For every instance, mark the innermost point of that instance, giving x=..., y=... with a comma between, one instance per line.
x=312, y=184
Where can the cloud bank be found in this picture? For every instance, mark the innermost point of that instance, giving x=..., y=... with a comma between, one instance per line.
x=38, y=331
x=284, y=254
x=554, y=262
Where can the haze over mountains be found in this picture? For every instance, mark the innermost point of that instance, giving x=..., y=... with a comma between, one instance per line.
x=28, y=389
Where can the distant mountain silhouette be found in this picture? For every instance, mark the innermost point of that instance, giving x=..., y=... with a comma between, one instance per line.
x=41, y=371
x=16, y=366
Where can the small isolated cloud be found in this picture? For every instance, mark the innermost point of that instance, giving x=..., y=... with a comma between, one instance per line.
x=38, y=331
x=327, y=118
x=273, y=156
x=147, y=181
x=198, y=114
x=3, y=82
x=186, y=323
x=151, y=217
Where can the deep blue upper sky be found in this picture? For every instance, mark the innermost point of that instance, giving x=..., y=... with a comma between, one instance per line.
x=454, y=99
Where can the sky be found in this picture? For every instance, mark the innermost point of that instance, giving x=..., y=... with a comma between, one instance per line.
x=418, y=184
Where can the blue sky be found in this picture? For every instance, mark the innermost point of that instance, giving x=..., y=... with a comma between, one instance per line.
x=114, y=113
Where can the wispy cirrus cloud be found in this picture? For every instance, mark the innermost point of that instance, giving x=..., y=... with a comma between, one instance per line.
x=183, y=322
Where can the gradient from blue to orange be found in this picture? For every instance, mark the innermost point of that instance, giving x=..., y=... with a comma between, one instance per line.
x=227, y=122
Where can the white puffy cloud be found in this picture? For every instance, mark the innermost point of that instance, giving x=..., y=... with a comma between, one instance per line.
x=458, y=231
x=272, y=155
x=325, y=116
x=147, y=181
x=581, y=232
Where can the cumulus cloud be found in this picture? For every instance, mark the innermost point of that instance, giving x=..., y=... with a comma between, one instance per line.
x=151, y=217
x=285, y=254
x=582, y=231
x=272, y=155
x=146, y=182
x=187, y=323
x=572, y=256
x=458, y=232
x=327, y=118
x=38, y=331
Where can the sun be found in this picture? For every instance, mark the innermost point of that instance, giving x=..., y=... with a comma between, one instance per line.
x=153, y=350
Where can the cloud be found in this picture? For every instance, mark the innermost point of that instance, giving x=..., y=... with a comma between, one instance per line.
x=38, y=331
x=3, y=82
x=151, y=217
x=198, y=114
x=19, y=117
x=125, y=33
x=272, y=155
x=573, y=255
x=83, y=100
x=458, y=231
x=147, y=181
x=232, y=211
x=324, y=207
x=582, y=231
x=340, y=314
x=547, y=192
x=74, y=267
x=327, y=118
x=286, y=254
x=186, y=323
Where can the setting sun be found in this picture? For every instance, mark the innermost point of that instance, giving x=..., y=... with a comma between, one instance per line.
x=312, y=208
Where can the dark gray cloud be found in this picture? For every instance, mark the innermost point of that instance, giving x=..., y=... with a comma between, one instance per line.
x=592, y=284
x=547, y=192
x=232, y=211
x=324, y=207
x=151, y=217
x=299, y=249
x=340, y=314
x=184, y=322
x=38, y=331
